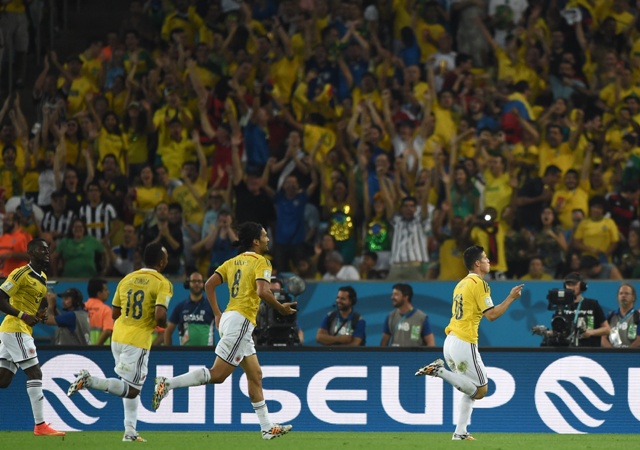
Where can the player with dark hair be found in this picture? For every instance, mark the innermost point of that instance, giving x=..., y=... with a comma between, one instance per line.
x=21, y=296
x=139, y=305
x=248, y=276
x=471, y=301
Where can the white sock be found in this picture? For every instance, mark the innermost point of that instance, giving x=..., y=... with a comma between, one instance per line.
x=263, y=414
x=466, y=408
x=458, y=381
x=34, y=389
x=110, y=385
x=130, y=414
x=196, y=377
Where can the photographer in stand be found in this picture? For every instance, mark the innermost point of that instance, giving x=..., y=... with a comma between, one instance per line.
x=624, y=322
x=273, y=328
x=578, y=321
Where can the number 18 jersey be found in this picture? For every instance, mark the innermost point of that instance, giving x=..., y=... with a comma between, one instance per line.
x=241, y=274
x=138, y=294
x=471, y=298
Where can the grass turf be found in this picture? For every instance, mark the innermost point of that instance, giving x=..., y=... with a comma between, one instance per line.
x=187, y=440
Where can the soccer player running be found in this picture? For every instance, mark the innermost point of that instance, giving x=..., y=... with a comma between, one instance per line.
x=471, y=301
x=248, y=276
x=20, y=297
x=139, y=305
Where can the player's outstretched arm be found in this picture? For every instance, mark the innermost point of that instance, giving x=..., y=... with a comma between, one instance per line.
x=264, y=292
x=495, y=312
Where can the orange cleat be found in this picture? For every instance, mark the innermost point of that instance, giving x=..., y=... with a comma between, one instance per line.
x=45, y=430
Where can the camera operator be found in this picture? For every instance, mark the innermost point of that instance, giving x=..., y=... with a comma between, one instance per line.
x=288, y=333
x=574, y=324
x=623, y=322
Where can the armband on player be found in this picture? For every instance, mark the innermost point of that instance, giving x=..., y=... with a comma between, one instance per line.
x=21, y=315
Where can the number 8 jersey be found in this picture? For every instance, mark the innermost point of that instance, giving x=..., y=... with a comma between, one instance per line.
x=137, y=295
x=241, y=274
x=471, y=298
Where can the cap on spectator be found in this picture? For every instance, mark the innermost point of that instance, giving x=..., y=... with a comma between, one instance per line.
x=57, y=194
x=377, y=196
x=74, y=58
x=74, y=293
x=371, y=13
x=134, y=104
x=574, y=277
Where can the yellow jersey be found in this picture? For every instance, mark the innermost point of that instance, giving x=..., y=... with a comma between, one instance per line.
x=543, y=277
x=26, y=289
x=91, y=69
x=451, y=261
x=241, y=274
x=138, y=294
x=434, y=30
x=471, y=298
x=114, y=144
x=563, y=156
x=137, y=149
x=173, y=155
x=565, y=201
x=312, y=134
x=14, y=6
x=497, y=191
x=77, y=90
x=598, y=234
x=147, y=198
x=191, y=210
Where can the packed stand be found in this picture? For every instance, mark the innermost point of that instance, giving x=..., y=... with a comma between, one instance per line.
x=372, y=139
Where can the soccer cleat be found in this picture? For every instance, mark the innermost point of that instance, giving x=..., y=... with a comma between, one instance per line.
x=462, y=437
x=431, y=369
x=133, y=438
x=81, y=382
x=45, y=430
x=276, y=431
x=160, y=392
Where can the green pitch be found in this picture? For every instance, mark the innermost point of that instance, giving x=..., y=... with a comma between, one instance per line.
x=17, y=440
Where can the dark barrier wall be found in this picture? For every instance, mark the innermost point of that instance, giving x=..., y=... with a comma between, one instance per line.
x=362, y=390
x=513, y=329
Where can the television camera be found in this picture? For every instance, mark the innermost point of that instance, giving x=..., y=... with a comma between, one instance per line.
x=274, y=329
x=565, y=330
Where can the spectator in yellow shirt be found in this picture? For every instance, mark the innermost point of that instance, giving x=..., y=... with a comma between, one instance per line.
x=552, y=151
x=184, y=18
x=428, y=31
x=497, y=191
x=535, y=271
x=568, y=199
x=92, y=64
x=148, y=195
x=597, y=235
x=74, y=85
x=613, y=93
x=175, y=150
x=191, y=194
x=111, y=140
x=173, y=110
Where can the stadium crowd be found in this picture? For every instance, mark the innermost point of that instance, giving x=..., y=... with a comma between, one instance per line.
x=372, y=138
